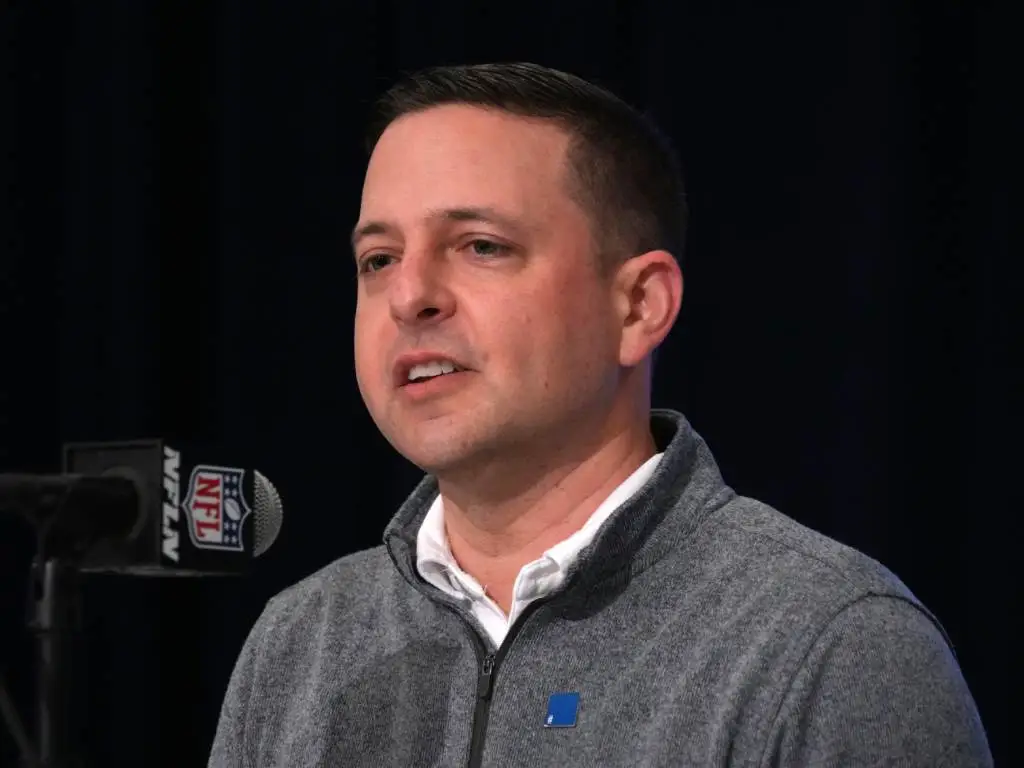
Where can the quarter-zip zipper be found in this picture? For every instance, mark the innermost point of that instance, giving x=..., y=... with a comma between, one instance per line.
x=489, y=663
x=482, y=710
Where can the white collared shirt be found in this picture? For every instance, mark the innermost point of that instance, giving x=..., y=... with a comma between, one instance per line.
x=543, y=576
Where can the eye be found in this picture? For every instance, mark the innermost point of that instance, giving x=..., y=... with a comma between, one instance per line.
x=483, y=247
x=373, y=263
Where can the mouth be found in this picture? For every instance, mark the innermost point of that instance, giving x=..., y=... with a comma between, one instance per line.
x=420, y=369
x=428, y=385
x=424, y=372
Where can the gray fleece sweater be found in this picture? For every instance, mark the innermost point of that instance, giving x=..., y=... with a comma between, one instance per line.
x=699, y=628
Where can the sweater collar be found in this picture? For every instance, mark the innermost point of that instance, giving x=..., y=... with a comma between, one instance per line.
x=685, y=488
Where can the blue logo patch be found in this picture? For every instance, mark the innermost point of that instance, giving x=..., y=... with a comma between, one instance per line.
x=562, y=708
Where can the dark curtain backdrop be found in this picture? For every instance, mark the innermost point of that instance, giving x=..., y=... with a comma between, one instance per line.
x=178, y=184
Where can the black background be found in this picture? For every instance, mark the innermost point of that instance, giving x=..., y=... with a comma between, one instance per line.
x=178, y=184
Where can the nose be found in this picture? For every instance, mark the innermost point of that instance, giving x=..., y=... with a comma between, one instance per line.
x=418, y=291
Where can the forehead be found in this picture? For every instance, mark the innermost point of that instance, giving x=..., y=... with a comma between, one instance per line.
x=457, y=156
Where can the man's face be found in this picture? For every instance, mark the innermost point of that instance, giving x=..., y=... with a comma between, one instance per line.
x=470, y=250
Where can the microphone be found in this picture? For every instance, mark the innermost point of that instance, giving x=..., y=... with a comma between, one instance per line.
x=140, y=508
x=77, y=509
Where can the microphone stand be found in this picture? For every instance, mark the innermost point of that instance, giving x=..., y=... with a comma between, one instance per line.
x=52, y=622
x=10, y=715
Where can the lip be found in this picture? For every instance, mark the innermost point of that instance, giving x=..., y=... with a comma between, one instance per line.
x=405, y=363
x=429, y=390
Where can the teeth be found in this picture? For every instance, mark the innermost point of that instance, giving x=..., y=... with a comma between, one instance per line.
x=431, y=369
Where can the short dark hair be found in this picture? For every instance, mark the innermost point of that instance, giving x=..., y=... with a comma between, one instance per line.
x=622, y=170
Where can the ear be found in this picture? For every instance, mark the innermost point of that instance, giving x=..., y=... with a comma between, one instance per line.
x=648, y=295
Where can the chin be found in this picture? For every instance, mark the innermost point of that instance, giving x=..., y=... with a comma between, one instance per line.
x=453, y=443
x=452, y=450
x=438, y=459
x=432, y=450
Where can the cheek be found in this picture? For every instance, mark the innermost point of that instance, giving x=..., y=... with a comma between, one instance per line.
x=558, y=334
x=368, y=350
x=586, y=336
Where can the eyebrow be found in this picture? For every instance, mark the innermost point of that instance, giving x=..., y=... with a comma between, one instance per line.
x=483, y=214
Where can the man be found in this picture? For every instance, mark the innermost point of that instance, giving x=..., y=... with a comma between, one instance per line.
x=572, y=583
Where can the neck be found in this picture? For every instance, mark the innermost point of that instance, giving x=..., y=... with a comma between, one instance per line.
x=541, y=502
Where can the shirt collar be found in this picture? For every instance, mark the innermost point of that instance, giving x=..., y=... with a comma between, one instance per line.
x=687, y=488
x=435, y=562
x=566, y=551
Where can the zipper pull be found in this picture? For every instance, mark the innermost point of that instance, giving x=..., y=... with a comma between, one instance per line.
x=486, y=682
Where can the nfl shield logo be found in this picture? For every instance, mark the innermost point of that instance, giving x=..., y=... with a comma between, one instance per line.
x=216, y=507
